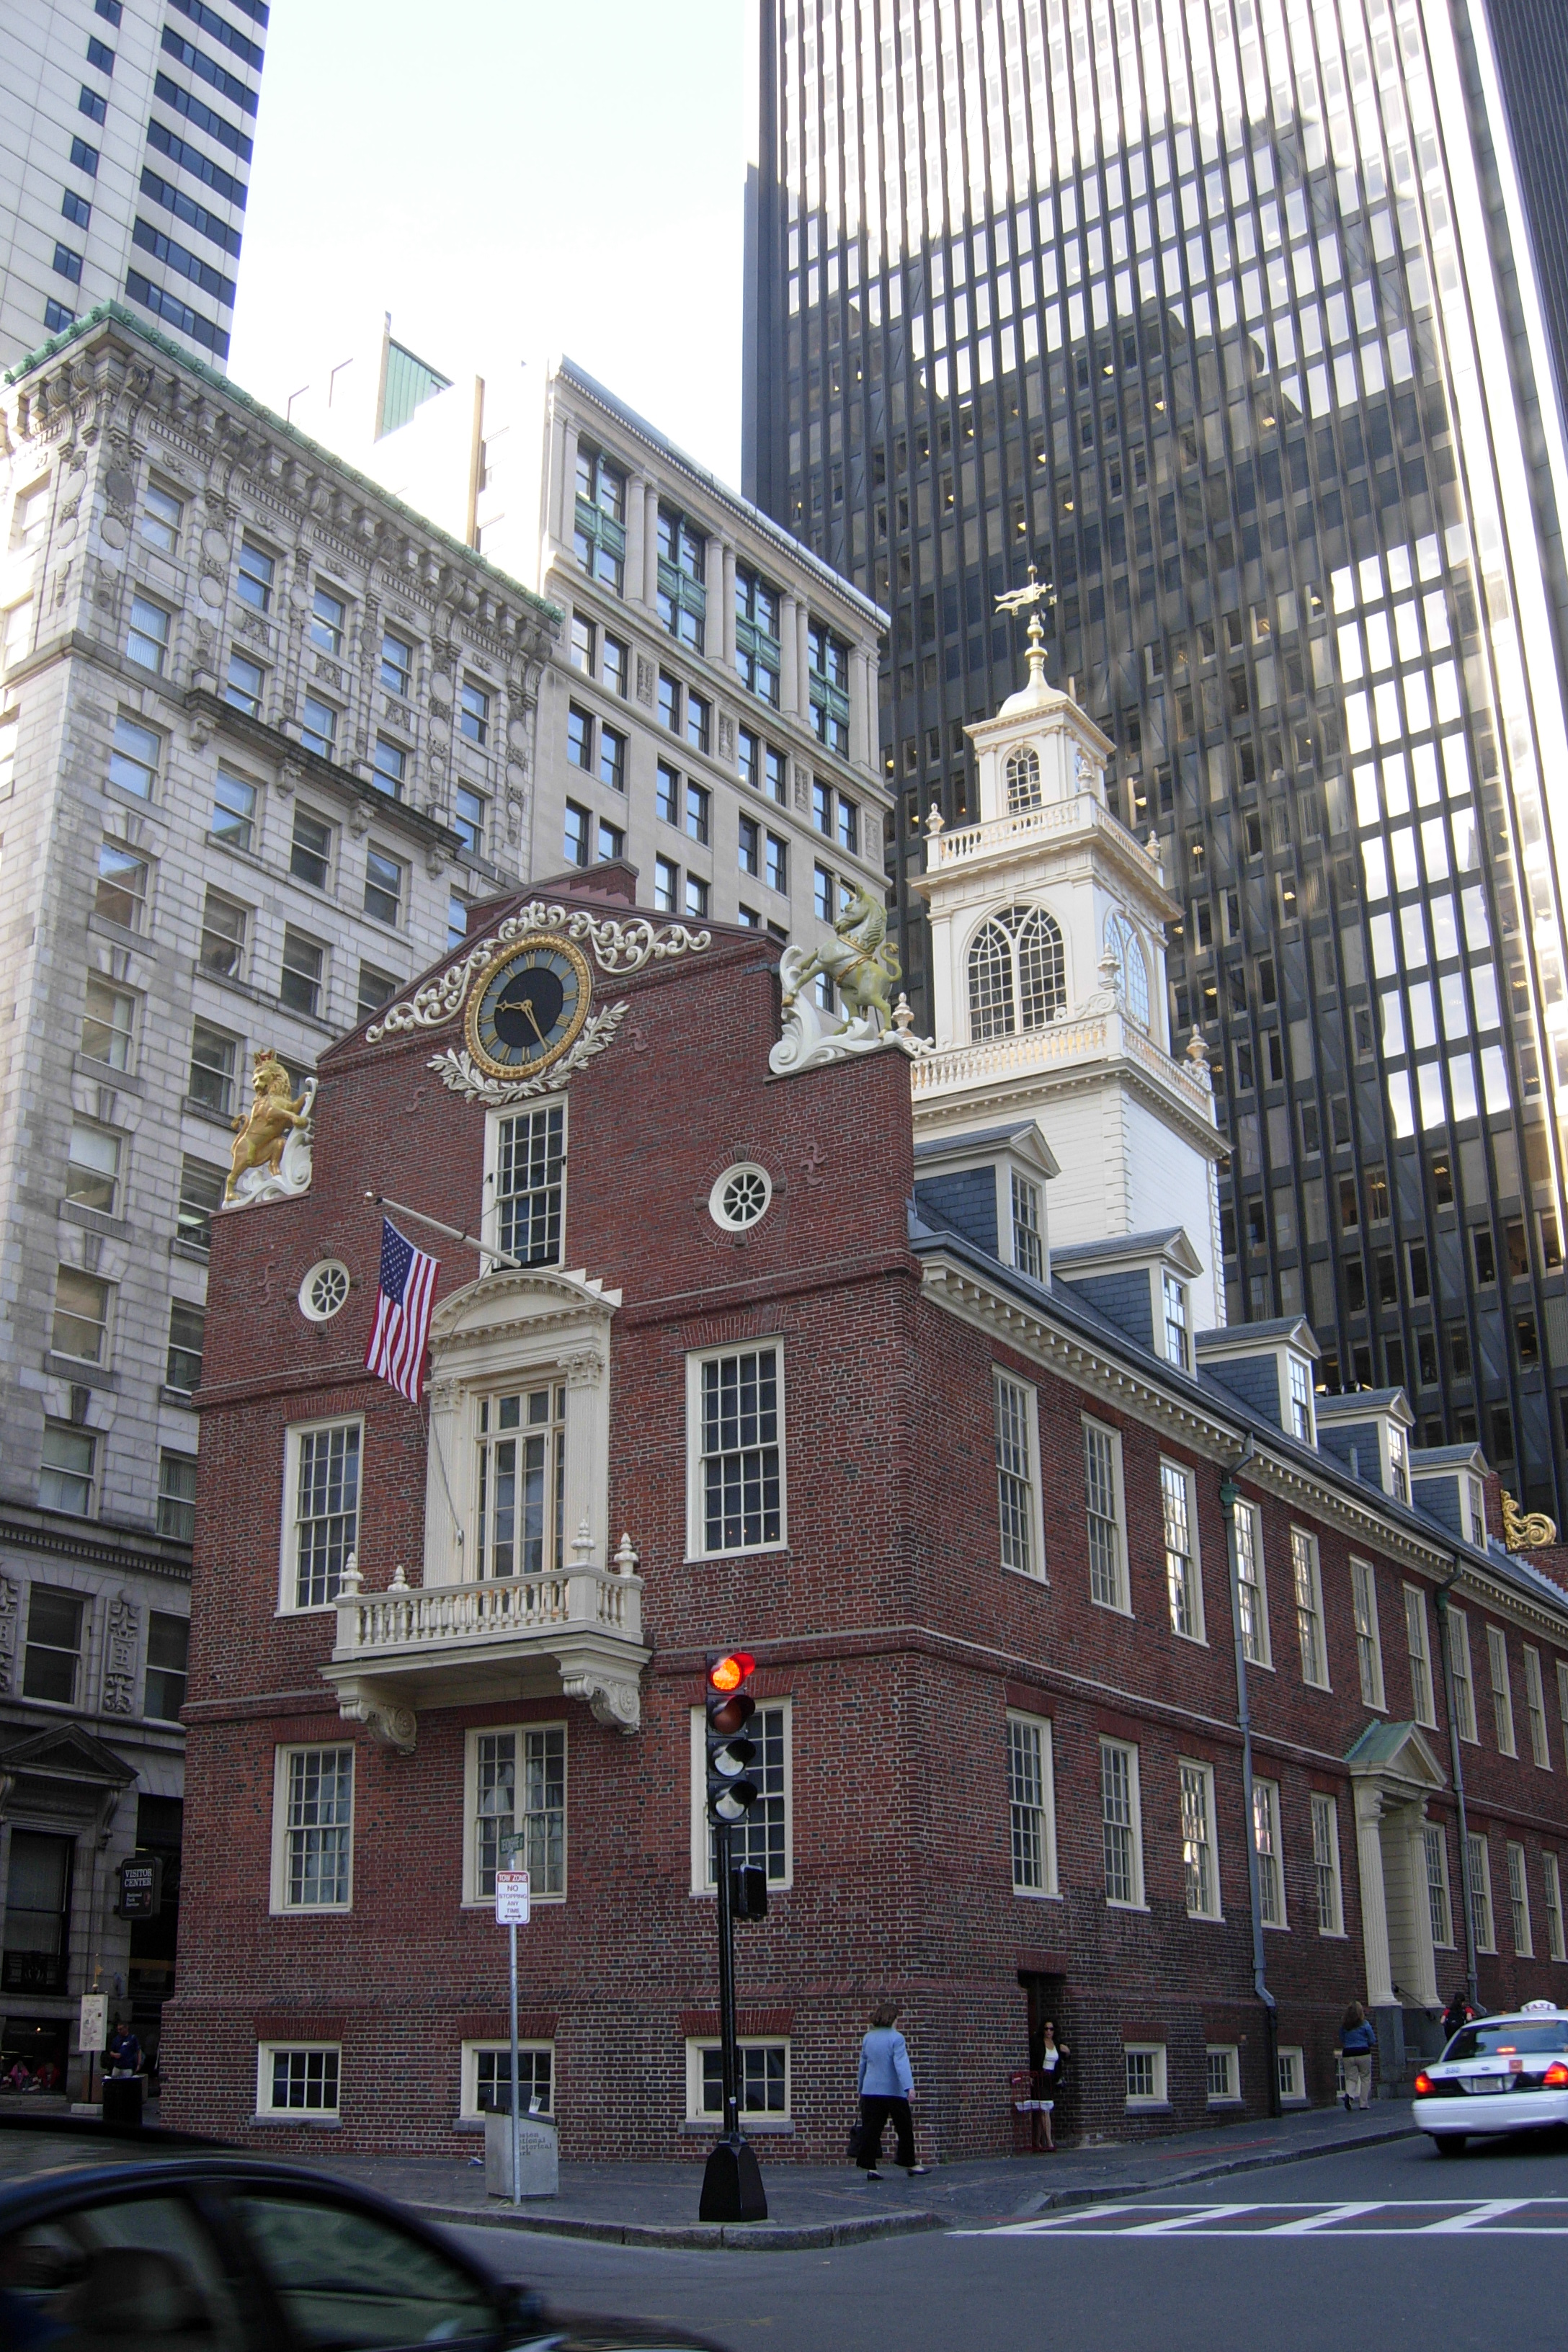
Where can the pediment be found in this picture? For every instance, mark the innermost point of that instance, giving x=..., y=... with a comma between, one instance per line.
x=513, y=1300
x=68, y=1753
x=1396, y=1751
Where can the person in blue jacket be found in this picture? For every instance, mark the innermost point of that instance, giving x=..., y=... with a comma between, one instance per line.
x=1357, y=2043
x=887, y=2086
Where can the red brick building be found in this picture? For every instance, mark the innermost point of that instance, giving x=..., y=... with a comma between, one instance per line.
x=775, y=1371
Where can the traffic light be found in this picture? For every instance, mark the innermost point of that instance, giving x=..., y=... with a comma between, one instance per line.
x=731, y=1792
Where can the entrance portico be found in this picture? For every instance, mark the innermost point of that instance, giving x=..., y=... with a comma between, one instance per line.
x=1393, y=1772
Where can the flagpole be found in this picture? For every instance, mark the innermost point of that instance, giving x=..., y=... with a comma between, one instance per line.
x=453, y=1232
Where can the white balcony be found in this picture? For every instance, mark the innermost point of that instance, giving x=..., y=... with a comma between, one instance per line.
x=1086, y=1042
x=1000, y=839
x=577, y=1633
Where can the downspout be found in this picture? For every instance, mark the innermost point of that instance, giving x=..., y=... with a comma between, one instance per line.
x=1229, y=1495
x=1458, y=1769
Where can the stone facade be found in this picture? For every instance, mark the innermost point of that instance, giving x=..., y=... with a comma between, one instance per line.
x=229, y=821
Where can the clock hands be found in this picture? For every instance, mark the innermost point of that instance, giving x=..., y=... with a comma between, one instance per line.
x=527, y=1004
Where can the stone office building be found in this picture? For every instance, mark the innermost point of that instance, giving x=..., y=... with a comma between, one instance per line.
x=263, y=735
x=789, y=1352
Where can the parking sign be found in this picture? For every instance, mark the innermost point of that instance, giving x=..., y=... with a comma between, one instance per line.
x=511, y=1898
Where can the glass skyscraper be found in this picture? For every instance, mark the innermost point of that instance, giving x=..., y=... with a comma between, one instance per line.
x=1245, y=321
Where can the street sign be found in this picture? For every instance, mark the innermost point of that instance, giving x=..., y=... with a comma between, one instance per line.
x=94, y=2022
x=140, y=1886
x=511, y=1898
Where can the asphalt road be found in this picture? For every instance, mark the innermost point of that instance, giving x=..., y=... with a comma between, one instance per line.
x=1460, y=2255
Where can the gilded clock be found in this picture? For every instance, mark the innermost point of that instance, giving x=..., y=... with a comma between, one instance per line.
x=528, y=1007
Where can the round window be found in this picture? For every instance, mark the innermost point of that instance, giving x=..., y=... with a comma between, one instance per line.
x=741, y=1196
x=324, y=1290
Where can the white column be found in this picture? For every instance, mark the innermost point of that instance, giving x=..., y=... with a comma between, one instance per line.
x=650, y=548
x=1425, y=1971
x=862, y=722
x=636, y=521
x=789, y=685
x=1374, y=1903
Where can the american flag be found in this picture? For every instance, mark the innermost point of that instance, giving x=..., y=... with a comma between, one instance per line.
x=402, y=1312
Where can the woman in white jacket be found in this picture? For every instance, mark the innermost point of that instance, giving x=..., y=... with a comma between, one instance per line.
x=887, y=2086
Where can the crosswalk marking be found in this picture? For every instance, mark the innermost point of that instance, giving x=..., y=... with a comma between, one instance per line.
x=1186, y=2221
x=1478, y=2214
x=1502, y=2217
x=1324, y=2220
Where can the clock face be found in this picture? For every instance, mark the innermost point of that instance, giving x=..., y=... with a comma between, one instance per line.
x=528, y=1008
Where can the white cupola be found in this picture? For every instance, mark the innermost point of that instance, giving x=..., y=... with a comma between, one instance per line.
x=1049, y=994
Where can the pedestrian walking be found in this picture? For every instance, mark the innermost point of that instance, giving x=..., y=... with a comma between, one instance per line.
x=887, y=2086
x=1357, y=2043
x=1461, y=2012
x=1054, y=2056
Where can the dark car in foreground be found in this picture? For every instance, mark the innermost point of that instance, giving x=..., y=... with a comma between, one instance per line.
x=164, y=2244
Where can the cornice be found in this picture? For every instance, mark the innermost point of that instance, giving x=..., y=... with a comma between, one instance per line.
x=128, y=1552
x=377, y=807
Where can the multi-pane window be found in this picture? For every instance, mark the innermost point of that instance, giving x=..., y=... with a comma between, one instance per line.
x=491, y=2088
x=1291, y=2077
x=390, y=767
x=827, y=665
x=121, y=893
x=469, y=812
x=667, y=792
x=1174, y=1314
x=234, y=811
x=616, y=664
x=519, y=1808
x=223, y=935
x=697, y=896
x=65, y=1473
x=778, y=865
x=680, y=596
x=375, y=988
x=762, y=1842
x=385, y=878
x=147, y=639
x=212, y=1057
x=1120, y=1829
x=329, y=615
x=168, y=1647
x=187, y=1332
x=1502, y=1691
x=201, y=1196
x=319, y=727
x=304, y=964
x=762, y=2087
x=1199, y=1870
x=92, y=1168
x=1182, y=1581
x=1266, y=1838
x=1535, y=1710
x=242, y=685
x=666, y=886
x=133, y=758
x=310, y=850
x=577, y=828
x=325, y=1497
x=699, y=721
x=750, y=850
x=1398, y=1472
x=759, y=658
x=1301, y=1402
x=51, y=1662
x=161, y=514
x=1017, y=1486
x=599, y=535
x=316, y=1794
x=81, y=1316
x=1419, y=1646
x=738, y=1437
x=1555, y=1948
x=1463, y=1679
x=1102, y=1497
x=1251, y=1591
x=1518, y=1902
x=456, y=919
x=1439, y=1908
x=531, y=1165
x=1029, y=1241
x=177, y=1496
x=396, y=664
x=613, y=759
x=1562, y=1698
x=1222, y=2074
x=1018, y=968
x=1030, y=1805
x=108, y=1023
x=1308, y=1583
x=522, y=1481
x=1368, y=1639
x=1480, y=1882
x=697, y=810
x=256, y=572
x=1326, y=1866
x=1145, y=2072
x=579, y=645
x=473, y=712
x=298, y=2081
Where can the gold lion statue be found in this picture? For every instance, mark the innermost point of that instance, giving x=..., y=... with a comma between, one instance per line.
x=266, y=1128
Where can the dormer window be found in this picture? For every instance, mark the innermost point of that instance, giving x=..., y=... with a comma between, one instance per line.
x=1028, y=1244
x=1017, y=973
x=1300, y=1402
x=1023, y=778
x=1398, y=1473
x=1175, y=1320
x=1476, y=1513
x=1132, y=973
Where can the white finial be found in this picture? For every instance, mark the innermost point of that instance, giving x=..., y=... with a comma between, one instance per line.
x=625, y=1556
x=1197, y=1050
x=933, y=821
x=352, y=1581
x=582, y=1545
x=903, y=1016
x=399, y=1582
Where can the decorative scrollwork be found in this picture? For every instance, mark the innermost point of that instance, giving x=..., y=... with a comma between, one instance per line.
x=457, y=1069
x=618, y=947
x=1525, y=1531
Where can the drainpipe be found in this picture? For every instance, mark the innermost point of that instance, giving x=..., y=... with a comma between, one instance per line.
x=1229, y=1495
x=1458, y=1771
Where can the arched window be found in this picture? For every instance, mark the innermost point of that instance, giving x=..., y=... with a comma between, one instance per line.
x=1124, y=942
x=1023, y=779
x=1017, y=974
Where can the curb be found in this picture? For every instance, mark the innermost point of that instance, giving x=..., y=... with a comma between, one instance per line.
x=742, y=2237
x=1058, y=2199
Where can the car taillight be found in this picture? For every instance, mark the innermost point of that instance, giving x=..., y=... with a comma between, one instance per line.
x=1556, y=2076
x=1424, y=2085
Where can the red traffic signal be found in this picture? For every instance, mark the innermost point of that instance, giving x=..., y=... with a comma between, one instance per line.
x=730, y=1707
x=729, y=1672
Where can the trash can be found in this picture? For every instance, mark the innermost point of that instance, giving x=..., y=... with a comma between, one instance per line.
x=122, y=2099
x=538, y=2164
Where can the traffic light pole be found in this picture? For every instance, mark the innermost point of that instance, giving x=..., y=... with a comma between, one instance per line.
x=729, y=2054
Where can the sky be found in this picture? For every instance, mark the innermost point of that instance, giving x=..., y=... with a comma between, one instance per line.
x=574, y=170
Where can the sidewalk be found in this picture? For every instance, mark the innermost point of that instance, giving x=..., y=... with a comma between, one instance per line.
x=823, y=2205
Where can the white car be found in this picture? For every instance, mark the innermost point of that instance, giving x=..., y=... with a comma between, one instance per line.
x=1501, y=2074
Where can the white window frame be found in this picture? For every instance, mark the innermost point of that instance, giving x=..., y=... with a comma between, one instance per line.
x=1259, y=1651
x=1556, y=1949
x=1419, y=1651
x=1483, y=1916
x=288, y=1547
x=1268, y=1791
x=472, y=1897
x=1518, y=1899
x=1172, y=1288
x=702, y=1879
x=489, y=1213
x=696, y=1547
x=1046, y=1811
x=1141, y=2102
x=1122, y=1604
x=1171, y=1473
x=1463, y=1670
x=282, y=1754
x=1368, y=1635
x=469, y=2108
x=752, y=2118
x=1229, y=2055
x=1501, y=1681
x=1135, y=1900
x=265, y=2052
x=1303, y=1404
x=1312, y=1609
x=1326, y=1872
x=1191, y=1773
x=1535, y=1709
x=1439, y=1890
x=1562, y=1664
x=1036, y=1570
x=1292, y=2064
x=1026, y=1216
